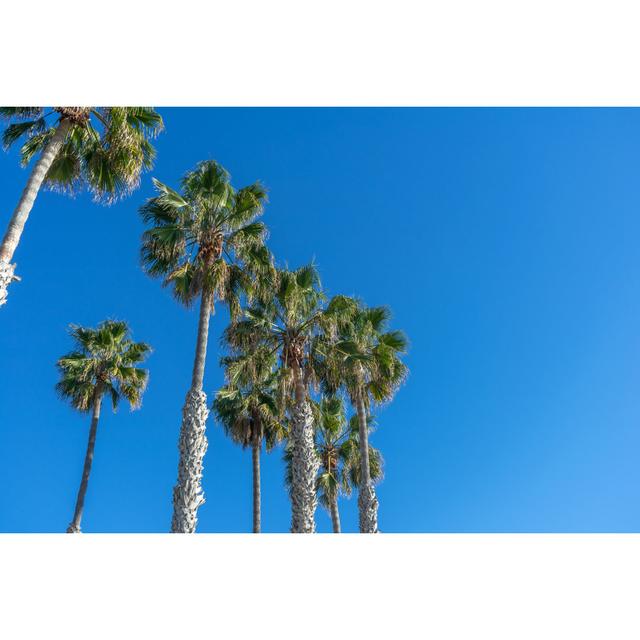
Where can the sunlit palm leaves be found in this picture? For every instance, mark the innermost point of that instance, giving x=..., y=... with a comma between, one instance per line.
x=246, y=406
x=106, y=149
x=284, y=324
x=358, y=352
x=104, y=360
x=207, y=237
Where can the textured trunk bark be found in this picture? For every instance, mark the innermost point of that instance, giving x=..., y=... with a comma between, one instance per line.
x=25, y=204
x=74, y=526
x=367, y=501
x=192, y=445
x=305, y=462
x=255, y=454
x=335, y=514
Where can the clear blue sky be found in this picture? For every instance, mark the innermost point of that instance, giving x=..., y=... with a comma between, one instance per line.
x=504, y=240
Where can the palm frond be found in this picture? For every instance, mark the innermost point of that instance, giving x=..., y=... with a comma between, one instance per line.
x=21, y=113
x=15, y=131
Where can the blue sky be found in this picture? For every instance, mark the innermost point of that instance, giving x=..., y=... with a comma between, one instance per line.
x=504, y=240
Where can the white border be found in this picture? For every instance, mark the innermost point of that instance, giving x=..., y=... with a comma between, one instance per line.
x=334, y=52
x=308, y=587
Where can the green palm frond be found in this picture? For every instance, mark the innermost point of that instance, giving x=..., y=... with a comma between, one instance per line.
x=17, y=130
x=34, y=145
x=395, y=340
x=376, y=464
x=249, y=203
x=21, y=113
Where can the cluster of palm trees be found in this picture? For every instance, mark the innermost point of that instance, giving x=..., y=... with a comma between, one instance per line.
x=300, y=369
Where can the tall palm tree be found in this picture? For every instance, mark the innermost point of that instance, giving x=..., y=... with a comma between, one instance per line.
x=361, y=355
x=104, y=361
x=247, y=409
x=286, y=324
x=103, y=148
x=206, y=244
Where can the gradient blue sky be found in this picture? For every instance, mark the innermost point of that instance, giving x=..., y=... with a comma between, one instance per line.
x=504, y=240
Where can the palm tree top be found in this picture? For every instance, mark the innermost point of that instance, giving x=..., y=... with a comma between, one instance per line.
x=249, y=415
x=283, y=324
x=246, y=406
x=287, y=317
x=106, y=149
x=207, y=236
x=359, y=349
x=105, y=359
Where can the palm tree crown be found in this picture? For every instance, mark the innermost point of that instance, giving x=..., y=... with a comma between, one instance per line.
x=361, y=354
x=207, y=237
x=106, y=148
x=284, y=324
x=105, y=361
x=246, y=406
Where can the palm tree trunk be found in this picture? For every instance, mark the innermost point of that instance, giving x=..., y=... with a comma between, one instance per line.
x=74, y=526
x=25, y=204
x=304, y=463
x=335, y=514
x=255, y=454
x=192, y=445
x=367, y=501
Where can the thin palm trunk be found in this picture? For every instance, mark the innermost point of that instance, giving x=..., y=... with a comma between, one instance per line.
x=74, y=526
x=25, y=204
x=335, y=514
x=304, y=463
x=255, y=454
x=187, y=494
x=367, y=501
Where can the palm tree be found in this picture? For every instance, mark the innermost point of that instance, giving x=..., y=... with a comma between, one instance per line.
x=359, y=354
x=332, y=446
x=247, y=409
x=338, y=447
x=104, y=361
x=103, y=148
x=205, y=243
x=286, y=324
